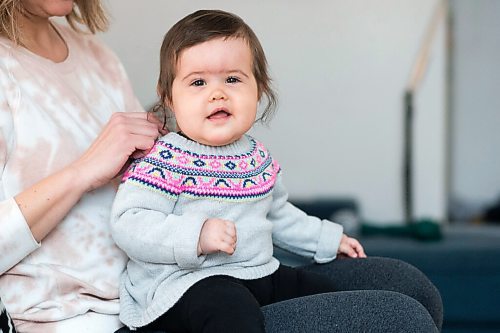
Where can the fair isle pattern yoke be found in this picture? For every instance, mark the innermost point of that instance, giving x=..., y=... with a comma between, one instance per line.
x=174, y=171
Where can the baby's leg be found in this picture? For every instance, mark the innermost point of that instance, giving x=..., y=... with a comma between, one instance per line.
x=215, y=304
x=288, y=283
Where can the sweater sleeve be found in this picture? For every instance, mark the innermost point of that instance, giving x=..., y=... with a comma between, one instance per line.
x=16, y=239
x=297, y=232
x=144, y=226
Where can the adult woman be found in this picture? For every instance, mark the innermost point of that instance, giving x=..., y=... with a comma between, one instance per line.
x=63, y=139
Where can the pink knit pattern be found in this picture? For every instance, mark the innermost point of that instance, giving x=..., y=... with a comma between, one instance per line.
x=174, y=171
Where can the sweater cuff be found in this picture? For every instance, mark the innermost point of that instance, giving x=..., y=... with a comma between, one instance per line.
x=186, y=243
x=329, y=242
x=16, y=237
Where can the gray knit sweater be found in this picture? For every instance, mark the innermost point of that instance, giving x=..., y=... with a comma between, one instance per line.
x=165, y=198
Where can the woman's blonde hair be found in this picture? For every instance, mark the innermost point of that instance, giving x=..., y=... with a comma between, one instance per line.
x=89, y=13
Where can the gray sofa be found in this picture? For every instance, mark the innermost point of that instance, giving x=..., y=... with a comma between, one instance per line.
x=465, y=267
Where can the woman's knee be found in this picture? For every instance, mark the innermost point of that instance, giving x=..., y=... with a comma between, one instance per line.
x=350, y=311
x=377, y=273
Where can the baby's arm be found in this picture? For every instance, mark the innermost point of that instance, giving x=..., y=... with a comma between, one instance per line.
x=307, y=235
x=144, y=225
x=299, y=233
x=217, y=235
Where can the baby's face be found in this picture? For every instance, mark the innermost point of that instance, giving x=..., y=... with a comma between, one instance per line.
x=214, y=93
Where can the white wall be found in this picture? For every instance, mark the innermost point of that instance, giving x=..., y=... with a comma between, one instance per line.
x=340, y=68
x=476, y=105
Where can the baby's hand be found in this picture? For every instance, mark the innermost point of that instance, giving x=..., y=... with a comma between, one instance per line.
x=217, y=235
x=351, y=247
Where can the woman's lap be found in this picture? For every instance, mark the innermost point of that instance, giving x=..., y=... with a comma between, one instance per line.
x=375, y=295
x=376, y=273
x=347, y=311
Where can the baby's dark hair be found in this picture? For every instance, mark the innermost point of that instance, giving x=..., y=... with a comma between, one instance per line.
x=202, y=26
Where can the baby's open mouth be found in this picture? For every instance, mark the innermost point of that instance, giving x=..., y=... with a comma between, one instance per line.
x=219, y=114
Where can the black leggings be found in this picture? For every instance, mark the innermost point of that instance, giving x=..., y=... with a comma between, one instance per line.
x=378, y=274
x=6, y=325
x=226, y=304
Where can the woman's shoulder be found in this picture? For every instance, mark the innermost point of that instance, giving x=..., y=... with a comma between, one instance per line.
x=7, y=47
x=8, y=62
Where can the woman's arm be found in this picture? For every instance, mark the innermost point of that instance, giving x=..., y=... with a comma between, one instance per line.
x=41, y=207
x=46, y=203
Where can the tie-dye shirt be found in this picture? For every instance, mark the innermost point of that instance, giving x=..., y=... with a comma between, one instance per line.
x=50, y=113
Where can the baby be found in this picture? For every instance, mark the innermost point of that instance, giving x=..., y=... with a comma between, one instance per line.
x=199, y=215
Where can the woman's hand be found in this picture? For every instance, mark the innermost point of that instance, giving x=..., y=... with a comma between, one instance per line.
x=126, y=135
x=217, y=235
x=351, y=247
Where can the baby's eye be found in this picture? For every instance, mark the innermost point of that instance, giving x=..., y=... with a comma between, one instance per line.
x=198, y=83
x=232, y=79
